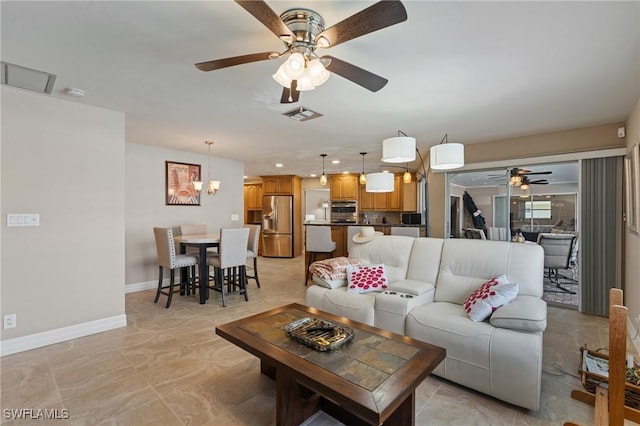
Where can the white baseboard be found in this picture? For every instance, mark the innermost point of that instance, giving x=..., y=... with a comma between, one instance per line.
x=148, y=285
x=45, y=338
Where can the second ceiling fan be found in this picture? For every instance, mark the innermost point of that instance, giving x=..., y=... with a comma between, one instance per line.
x=303, y=31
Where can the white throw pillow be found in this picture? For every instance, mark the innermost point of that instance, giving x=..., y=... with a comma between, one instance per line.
x=366, y=279
x=488, y=297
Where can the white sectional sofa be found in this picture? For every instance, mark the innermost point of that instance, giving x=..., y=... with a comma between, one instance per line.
x=429, y=280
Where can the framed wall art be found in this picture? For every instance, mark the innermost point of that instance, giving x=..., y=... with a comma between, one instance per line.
x=632, y=183
x=179, y=189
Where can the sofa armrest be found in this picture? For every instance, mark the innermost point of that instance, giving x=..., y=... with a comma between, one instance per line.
x=526, y=313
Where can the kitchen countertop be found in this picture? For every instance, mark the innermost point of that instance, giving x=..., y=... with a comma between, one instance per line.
x=319, y=223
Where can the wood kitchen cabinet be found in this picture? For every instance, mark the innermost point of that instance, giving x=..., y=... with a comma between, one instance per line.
x=278, y=185
x=338, y=235
x=344, y=187
x=253, y=196
x=402, y=199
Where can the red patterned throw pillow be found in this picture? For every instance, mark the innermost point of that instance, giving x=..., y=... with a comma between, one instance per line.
x=489, y=297
x=366, y=279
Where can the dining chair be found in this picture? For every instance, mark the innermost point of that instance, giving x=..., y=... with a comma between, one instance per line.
x=558, y=249
x=167, y=258
x=318, y=241
x=405, y=230
x=474, y=234
x=252, y=250
x=232, y=253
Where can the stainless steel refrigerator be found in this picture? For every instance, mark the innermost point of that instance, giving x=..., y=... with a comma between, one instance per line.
x=277, y=226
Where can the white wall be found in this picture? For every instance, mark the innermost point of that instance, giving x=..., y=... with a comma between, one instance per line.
x=145, y=205
x=65, y=161
x=632, y=240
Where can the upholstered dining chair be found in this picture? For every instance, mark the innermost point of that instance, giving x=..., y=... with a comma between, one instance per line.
x=405, y=230
x=252, y=250
x=474, y=234
x=318, y=242
x=232, y=254
x=167, y=258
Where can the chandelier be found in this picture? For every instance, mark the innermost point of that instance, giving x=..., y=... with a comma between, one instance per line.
x=214, y=185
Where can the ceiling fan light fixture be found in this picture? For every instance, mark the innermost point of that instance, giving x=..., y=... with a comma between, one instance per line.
x=282, y=78
x=294, y=66
x=524, y=186
x=305, y=82
x=399, y=149
x=319, y=75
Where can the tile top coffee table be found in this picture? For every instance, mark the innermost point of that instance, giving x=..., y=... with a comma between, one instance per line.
x=370, y=380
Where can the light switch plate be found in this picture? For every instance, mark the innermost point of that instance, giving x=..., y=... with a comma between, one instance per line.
x=235, y=217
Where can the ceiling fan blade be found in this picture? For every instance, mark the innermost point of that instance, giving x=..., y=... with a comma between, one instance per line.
x=290, y=96
x=263, y=13
x=360, y=76
x=216, y=64
x=377, y=16
x=539, y=182
x=538, y=173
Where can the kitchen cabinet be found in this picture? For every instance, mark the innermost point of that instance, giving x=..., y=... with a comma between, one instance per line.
x=253, y=197
x=338, y=235
x=344, y=187
x=279, y=185
x=402, y=199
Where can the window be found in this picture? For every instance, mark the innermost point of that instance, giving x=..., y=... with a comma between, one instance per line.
x=537, y=209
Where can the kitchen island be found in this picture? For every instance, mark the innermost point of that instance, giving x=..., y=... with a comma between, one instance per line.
x=339, y=234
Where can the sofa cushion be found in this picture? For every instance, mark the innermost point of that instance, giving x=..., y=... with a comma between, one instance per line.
x=527, y=313
x=467, y=264
x=447, y=325
x=392, y=250
x=488, y=297
x=366, y=279
x=413, y=287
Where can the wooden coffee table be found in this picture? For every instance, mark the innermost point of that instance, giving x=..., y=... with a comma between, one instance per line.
x=370, y=380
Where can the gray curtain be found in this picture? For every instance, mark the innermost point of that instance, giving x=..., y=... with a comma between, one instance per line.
x=601, y=215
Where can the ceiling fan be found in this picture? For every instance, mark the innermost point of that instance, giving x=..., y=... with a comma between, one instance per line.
x=520, y=177
x=303, y=31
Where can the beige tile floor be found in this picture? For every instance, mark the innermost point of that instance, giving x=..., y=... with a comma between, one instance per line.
x=168, y=367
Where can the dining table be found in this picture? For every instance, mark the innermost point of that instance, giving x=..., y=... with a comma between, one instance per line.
x=202, y=242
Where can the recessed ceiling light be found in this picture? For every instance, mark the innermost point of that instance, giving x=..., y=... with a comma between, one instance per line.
x=346, y=172
x=279, y=165
x=335, y=161
x=245, y=177
x=313, y=175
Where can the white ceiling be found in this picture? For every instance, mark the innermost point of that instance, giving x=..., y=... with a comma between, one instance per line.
x=478, y=71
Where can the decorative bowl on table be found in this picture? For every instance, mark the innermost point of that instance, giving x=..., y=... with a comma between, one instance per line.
x=319, y=334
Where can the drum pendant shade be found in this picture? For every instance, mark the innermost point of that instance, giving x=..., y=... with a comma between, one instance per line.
x=447, y=156
x=380, y=182
x=399, y=149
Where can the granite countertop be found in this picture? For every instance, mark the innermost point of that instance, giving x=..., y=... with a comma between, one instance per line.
x=320, y=223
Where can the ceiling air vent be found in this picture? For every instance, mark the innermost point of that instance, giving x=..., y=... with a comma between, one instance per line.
x=302, y=114
x=27, y=78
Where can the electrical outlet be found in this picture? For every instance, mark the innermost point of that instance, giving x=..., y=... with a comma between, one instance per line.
x=9, y=321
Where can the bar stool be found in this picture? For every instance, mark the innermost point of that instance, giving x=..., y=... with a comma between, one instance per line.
x=318, y=241
x=233, y=254
x=252, y=250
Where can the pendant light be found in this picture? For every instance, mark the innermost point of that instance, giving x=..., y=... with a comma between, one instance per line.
x=363, y=177
x=214, y=185
x=406, y=177
x=323, y=178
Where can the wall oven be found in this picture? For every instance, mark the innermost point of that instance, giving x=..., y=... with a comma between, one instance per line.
x=344, y=211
